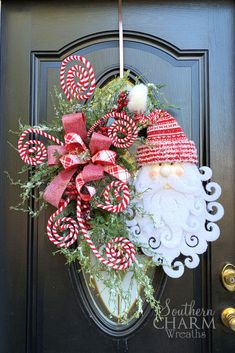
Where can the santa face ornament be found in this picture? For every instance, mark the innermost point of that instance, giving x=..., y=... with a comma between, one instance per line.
x=175, y=210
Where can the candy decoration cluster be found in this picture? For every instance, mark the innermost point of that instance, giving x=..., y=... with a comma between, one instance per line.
x=120, y=251
x=78, y=81
x=62, y=224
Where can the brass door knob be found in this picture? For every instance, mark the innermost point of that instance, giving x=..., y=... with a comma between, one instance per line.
x=228, y=277
x=228, y=318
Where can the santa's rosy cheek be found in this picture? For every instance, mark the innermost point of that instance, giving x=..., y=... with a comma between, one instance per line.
x=153, y=173
x=179, y=171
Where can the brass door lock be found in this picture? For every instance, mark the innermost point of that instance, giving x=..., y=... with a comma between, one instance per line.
x=228, y=277
x=228, y=318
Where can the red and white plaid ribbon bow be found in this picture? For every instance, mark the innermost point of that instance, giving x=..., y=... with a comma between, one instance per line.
x=75, y=156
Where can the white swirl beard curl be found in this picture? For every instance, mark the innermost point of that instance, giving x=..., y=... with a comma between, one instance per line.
x=176, y=221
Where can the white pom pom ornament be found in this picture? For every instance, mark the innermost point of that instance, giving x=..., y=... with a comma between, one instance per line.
x=138, y=99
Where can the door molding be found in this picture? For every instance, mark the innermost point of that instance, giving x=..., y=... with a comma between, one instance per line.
x=198, y=61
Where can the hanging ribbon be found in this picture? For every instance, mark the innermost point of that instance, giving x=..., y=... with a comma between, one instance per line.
x=120, y=29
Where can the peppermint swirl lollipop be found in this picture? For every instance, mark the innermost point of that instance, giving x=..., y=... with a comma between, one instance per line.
x=79, y=80
x=56, y=227
x=120, y=252
x=123, y=124
x=116, y=186
x=33, y=151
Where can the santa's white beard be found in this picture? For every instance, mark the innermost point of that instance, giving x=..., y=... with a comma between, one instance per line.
x=172, y=215
x=172, y=221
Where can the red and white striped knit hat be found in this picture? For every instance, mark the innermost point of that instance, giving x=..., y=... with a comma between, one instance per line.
x=167, y=141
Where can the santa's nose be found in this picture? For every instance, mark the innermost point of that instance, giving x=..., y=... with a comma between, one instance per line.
x=165, y=170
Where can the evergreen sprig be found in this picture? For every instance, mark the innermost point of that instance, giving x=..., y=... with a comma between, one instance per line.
x=103, y=225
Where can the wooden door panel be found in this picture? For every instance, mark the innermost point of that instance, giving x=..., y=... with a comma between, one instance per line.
x=181, y=45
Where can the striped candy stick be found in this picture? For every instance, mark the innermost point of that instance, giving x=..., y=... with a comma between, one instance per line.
x=120, y=251
x=37, y=148
x=83, y=71
x=62, y=224
x=123, y=124
x=117, y=186
x=102, y=120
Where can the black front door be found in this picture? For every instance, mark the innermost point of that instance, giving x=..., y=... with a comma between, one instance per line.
x=188, y=46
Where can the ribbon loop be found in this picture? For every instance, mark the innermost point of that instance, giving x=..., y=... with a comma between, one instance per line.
x=74, y=142
x=54, y=153
x=72, y=160
x=75, y=123
x=105, y=157
x=99, y=142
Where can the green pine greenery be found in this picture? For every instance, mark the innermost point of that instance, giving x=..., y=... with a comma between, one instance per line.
x=104, y=225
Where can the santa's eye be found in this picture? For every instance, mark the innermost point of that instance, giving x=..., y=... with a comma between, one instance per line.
x=159, y=164
x=172, y=163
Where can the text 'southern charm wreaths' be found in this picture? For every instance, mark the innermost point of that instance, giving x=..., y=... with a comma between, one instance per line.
x=90, y=152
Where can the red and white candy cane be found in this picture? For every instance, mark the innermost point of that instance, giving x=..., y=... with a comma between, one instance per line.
x=123, y=124
x=80, y=79
x=33, y=151
x=117, y=186
x=120, y=251
x=98, y=123
x=62, y=224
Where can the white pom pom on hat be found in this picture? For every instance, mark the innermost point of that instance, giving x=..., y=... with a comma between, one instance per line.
x=138, y=98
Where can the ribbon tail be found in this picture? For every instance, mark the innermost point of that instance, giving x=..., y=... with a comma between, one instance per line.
x=80, y=182
x=117, y=172
x=57, y=186
x=90, y=172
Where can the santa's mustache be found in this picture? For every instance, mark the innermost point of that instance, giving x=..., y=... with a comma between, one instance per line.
x=176, y=183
